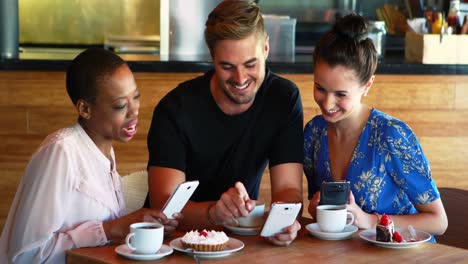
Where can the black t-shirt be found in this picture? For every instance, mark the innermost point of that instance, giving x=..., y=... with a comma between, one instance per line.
x=191, y=134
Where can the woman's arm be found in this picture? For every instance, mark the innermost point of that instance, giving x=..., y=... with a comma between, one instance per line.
x=37, y=216
x=430, y=218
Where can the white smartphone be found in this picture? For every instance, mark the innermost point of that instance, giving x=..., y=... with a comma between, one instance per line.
x=281, y=215
x=179, y=198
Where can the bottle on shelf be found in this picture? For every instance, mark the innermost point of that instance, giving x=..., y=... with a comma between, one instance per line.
x=439, y=24
x=454, y=16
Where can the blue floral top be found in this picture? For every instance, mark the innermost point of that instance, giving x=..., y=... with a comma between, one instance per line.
x=388, y=171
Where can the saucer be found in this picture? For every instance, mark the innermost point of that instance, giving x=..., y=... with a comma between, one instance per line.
x=233, y=245
x=369, y=235
x=125, y=251
x=347, y=232
x=246, y=231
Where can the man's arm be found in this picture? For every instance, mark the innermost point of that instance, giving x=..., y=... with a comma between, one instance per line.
x=286, y=182
x=162, y=182
x=286, y=186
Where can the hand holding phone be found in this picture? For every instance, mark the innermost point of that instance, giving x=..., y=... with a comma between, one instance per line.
x=334, y=193
x=281, y=216
x=179, y=198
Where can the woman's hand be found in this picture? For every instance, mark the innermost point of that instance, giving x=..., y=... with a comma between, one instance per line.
x=171, y=224
x=120, y=227
x=362, y=219
x=286, y=238
x=313, y=203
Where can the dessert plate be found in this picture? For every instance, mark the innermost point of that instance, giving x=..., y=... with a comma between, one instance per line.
x=233, y=245
x=246, y=231
x=347, y=232
x=421, y=237
x=125, y=251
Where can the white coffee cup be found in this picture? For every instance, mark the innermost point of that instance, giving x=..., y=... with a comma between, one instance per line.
x=333, y=218
x=145, y=238
x=254, y=219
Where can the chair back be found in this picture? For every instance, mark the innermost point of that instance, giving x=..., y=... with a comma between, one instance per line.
x=455, y=201
x=135, y=189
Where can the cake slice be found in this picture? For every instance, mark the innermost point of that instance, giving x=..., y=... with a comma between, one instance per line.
x=385, y=229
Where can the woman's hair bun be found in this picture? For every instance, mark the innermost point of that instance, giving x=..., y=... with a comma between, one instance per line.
x=352, y=27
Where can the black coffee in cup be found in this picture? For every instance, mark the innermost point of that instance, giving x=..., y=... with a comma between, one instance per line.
x=148, y=227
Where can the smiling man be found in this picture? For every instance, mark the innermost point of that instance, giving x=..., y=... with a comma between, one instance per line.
x=225, y=127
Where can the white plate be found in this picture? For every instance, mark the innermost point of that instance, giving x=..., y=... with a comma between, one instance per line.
x=246, y=231
x=347, y=232
x=125, y=251
x=369, y=235
x=233, y=245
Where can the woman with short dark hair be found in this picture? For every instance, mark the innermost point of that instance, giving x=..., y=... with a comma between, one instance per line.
x=70, y=195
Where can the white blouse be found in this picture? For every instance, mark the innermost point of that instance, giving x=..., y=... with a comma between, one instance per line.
x=68, y=189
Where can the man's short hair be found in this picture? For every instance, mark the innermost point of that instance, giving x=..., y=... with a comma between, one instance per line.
x=233, y=20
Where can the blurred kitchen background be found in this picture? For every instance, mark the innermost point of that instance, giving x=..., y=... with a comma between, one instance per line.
x=174, y=28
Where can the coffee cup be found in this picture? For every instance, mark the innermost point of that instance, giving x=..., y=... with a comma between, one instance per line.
x=254, y=219
x=333, y=218
x=145, y=238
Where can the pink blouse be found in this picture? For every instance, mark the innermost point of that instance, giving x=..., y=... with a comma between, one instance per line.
x=68, y=189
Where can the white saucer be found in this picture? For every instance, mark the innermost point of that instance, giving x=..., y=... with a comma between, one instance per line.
x=233, y=245
x=246, y=231
x=347, y=232
x=369, y=235
x=125, y=251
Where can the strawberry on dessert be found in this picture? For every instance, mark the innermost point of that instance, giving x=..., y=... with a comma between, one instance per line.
x=203, y=233
x=385, y=220
x=397, y=237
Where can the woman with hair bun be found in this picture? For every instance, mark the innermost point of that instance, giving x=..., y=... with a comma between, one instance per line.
x=378, y=154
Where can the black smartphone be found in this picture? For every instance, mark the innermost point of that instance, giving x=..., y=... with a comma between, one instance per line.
x=335, y=193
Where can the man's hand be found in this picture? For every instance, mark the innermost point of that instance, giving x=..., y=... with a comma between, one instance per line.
x=286, y=238
x=233, y=203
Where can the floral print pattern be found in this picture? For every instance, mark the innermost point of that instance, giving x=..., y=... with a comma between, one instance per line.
x=389, y=172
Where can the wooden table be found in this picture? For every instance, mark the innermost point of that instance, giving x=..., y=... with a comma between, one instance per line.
x=304, y=248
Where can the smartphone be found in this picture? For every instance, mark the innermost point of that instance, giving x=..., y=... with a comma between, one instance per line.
x=335, y=193
x=281, y=215
x=179, y=198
